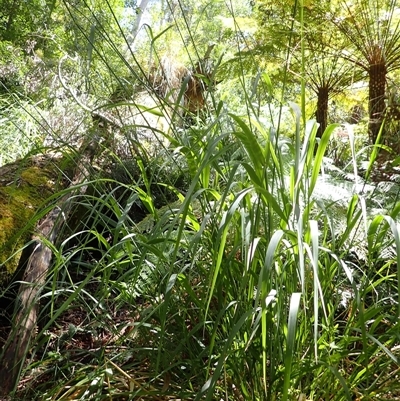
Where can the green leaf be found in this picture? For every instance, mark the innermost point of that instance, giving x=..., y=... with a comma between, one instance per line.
x=269, y=199
x=209, y=386
x=250, y=144
x=222, y=234
x=394, y=226
x=290, y=341
x=252, y=174
x=320, y=154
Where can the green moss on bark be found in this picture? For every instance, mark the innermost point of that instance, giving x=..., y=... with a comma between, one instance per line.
x=24, y=187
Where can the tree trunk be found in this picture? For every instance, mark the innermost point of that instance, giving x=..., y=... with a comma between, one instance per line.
x=139, y=14
x=321, y=114
x=377, y=87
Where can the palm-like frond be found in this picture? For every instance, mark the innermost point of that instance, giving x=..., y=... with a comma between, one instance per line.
x=373, y=29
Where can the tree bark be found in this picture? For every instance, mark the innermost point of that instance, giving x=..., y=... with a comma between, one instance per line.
x=321, y=114
x=139, y=14
x=377, y=88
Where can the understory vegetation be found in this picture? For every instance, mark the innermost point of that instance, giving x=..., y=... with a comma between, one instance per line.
x=219, y=245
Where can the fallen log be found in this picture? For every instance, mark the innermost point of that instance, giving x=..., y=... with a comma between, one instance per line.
x=37, y=265
x=25, y=319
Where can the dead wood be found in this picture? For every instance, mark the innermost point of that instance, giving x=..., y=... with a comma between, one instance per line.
x=24, y=323
x=167, y=80
x=37, y=266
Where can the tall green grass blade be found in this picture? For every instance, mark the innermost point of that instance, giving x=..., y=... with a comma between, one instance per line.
x=341, y=379
x=254, y=177
x=300, y=252
x=297, y=114
x=250, y=144
x=352, y=218
x=264, y=291
x=309, y=143
x=396, y=234
x=270, y=200
x=290, y=341
x=191, y=193
x=375, y=151
x=314, y=262
x=209, y=386
x=264, y=277
x=323, y=144
x=350, y=132
x=222, y=235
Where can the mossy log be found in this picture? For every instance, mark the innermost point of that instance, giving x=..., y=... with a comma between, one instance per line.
x=25, y=317
x=33, y=187
x=36, y=198
x=27, y=188
x=24, y=187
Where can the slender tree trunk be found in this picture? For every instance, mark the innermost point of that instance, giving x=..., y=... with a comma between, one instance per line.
x=321, y=114
x=139, y=14
x=377, y=87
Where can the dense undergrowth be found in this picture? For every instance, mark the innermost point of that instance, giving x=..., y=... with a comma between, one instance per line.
x=226, y=277
x=225, y=258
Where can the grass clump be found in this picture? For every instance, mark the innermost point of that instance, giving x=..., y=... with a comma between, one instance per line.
x=239, y=285
x=220, y=260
